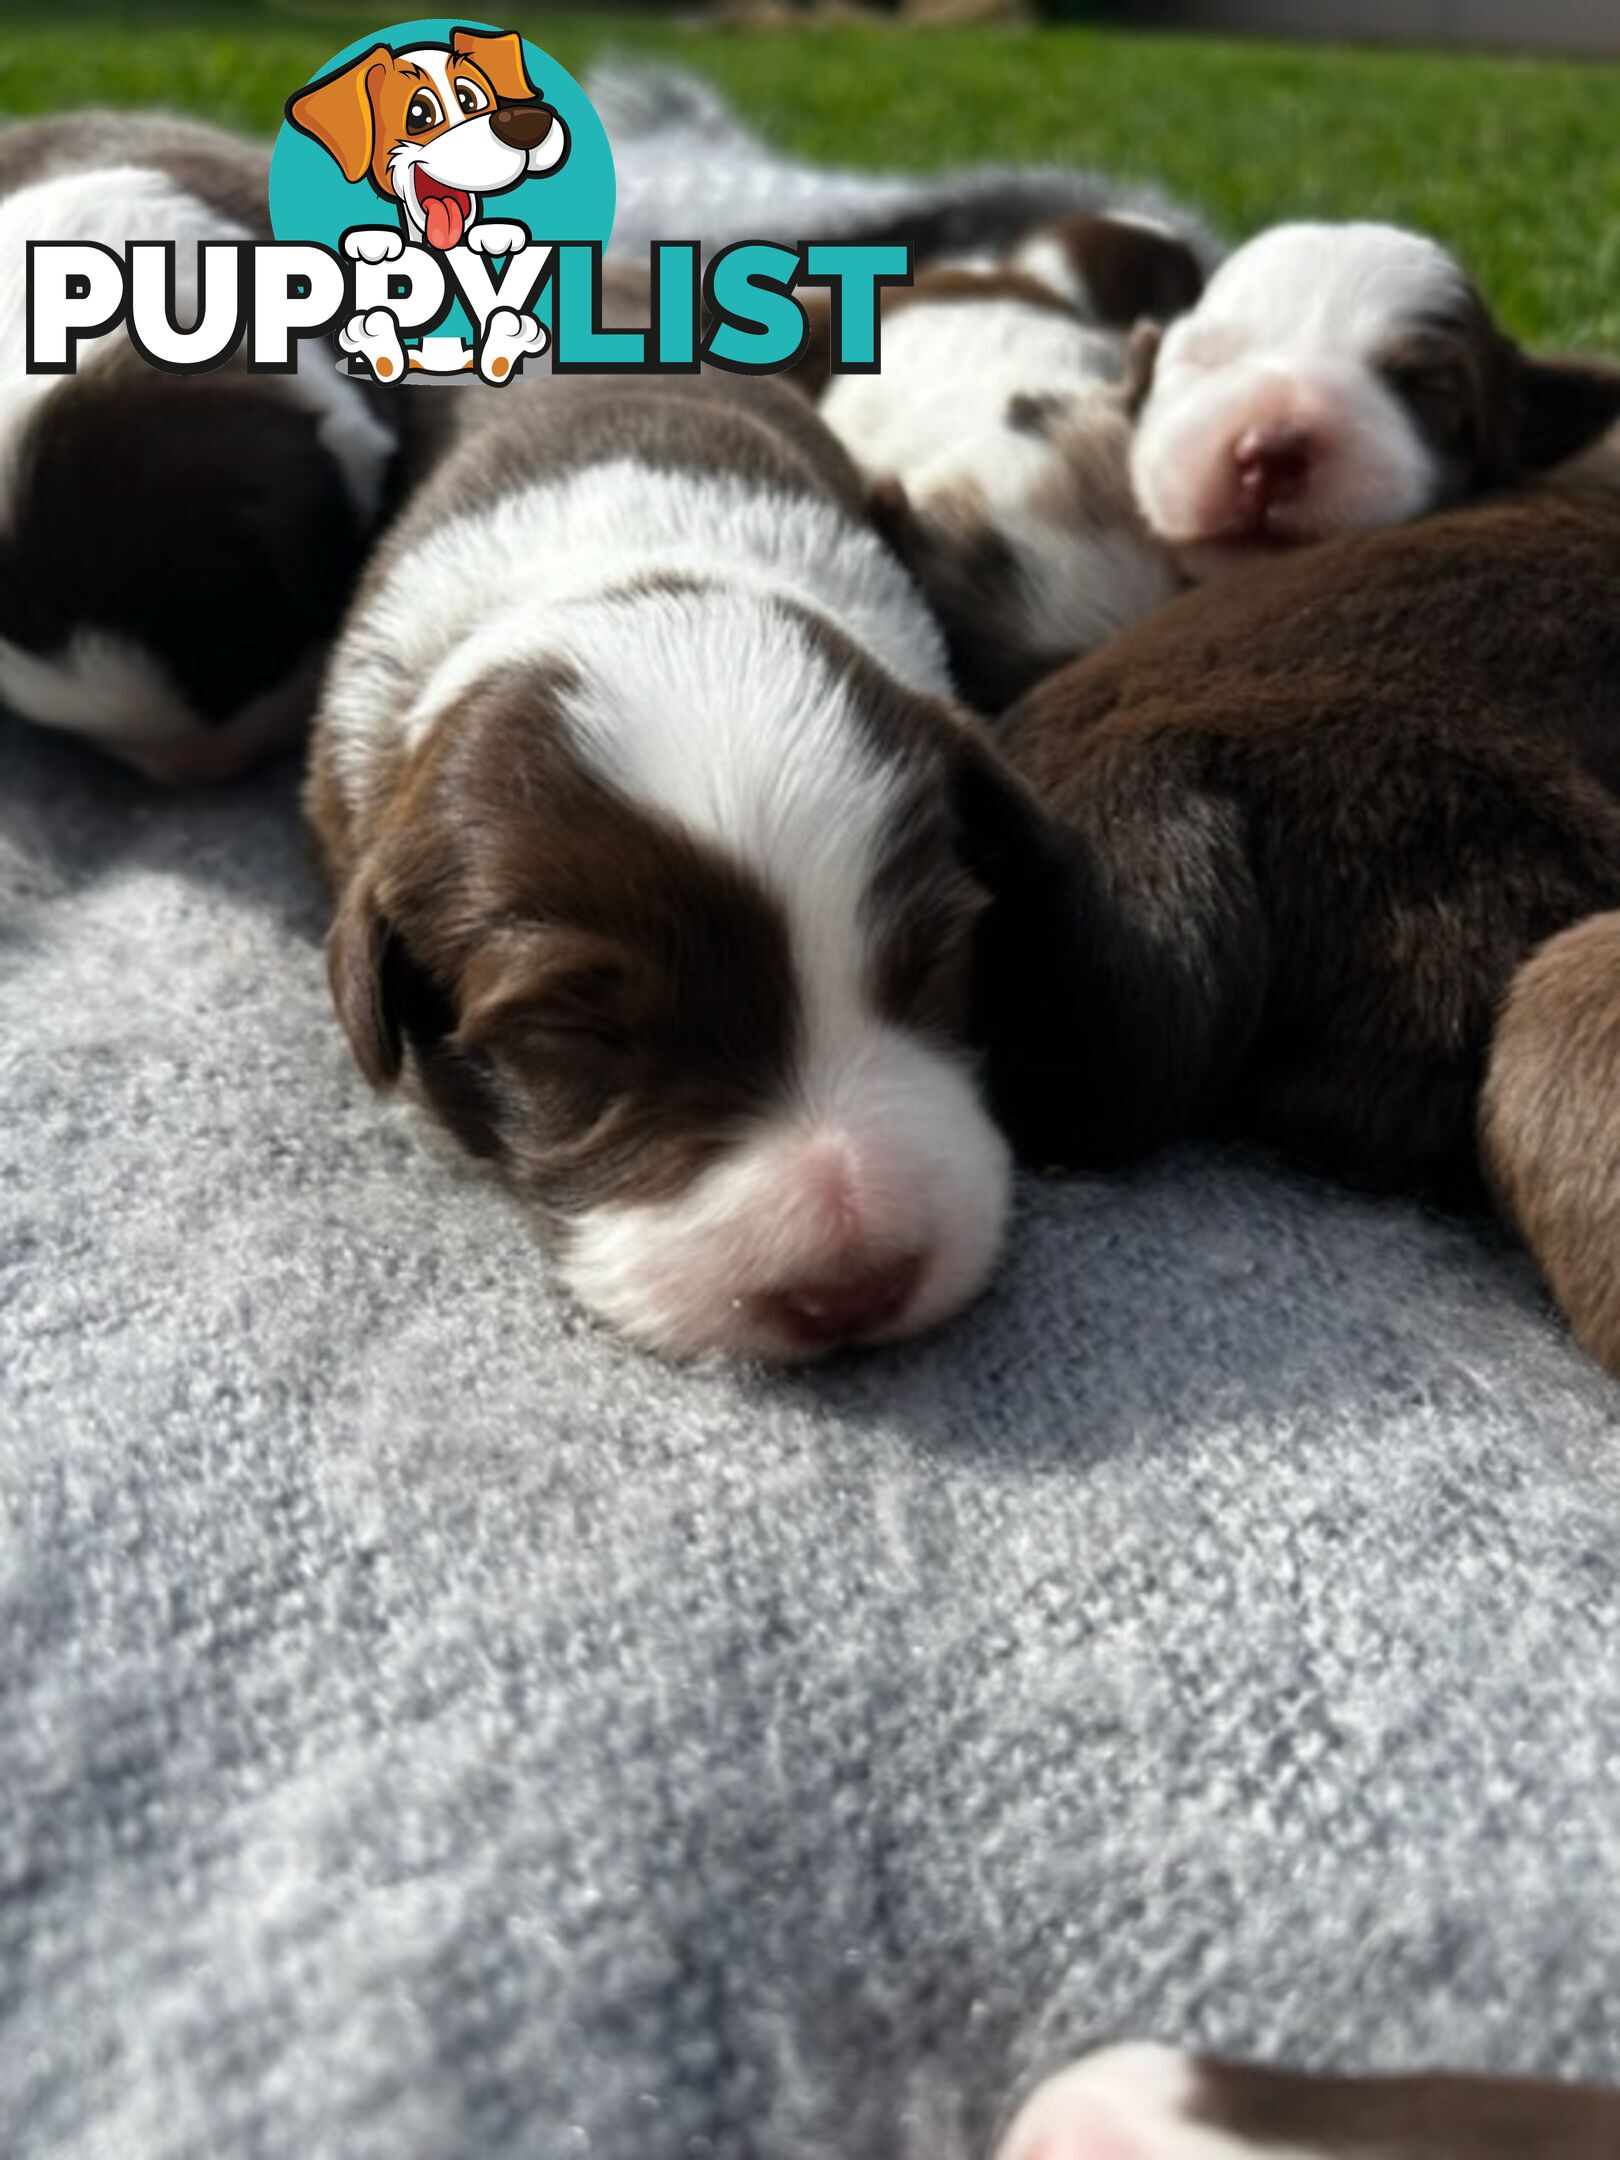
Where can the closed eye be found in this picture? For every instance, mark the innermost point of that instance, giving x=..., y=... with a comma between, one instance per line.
x=423, y=112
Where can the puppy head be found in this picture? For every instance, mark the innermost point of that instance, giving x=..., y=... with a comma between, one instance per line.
x=675, y=926
x=174, y=552
x=1336, y=378
x=435, y=126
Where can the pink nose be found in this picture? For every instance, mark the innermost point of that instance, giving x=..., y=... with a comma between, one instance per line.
x=1273, y=463
x=841, y=1308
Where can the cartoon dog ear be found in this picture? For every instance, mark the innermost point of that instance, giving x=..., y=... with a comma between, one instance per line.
x=1564, y=406
x=337, y=112
x=501, y=57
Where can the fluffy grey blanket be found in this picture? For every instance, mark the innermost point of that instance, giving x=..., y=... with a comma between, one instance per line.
x=430, y=1729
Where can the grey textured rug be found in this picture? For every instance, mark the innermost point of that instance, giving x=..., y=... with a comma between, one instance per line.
x=429, y=1729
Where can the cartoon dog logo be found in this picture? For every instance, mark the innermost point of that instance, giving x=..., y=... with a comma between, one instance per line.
x=435, y=130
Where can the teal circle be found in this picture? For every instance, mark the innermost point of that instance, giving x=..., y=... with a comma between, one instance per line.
x=310, y=199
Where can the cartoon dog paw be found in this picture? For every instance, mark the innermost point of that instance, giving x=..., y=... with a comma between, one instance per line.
x=374, y=336
x=374, y=244
x=495, y=236
x=507, y=337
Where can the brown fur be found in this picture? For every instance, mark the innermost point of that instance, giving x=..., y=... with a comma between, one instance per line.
x=1130, y=272
x=1319, y=815
x=1430, y=2116
x=584, y=994
x=1550, y=1123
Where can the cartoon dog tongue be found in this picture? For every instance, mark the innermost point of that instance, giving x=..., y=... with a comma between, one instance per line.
x=445, y=218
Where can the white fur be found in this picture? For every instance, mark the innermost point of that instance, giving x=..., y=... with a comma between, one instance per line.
x=1125, y=2103
x=485, y=587
x=936, y=418
x=1288, y=330
x=715, y=709
x=936, y=414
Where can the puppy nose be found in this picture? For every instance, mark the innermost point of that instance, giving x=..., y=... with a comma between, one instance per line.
x=521, y=127
x=1273, y=463
x=841, y=1308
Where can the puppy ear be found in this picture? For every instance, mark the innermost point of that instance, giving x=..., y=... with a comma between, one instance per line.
x=1132, y=270
x=383, y=998
x=888, y=507
x=357, y=951
x=501, y=58
x=1564, y=407
x=338, y=112
x=1141, y=360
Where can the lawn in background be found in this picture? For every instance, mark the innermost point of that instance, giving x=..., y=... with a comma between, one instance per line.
x=1511, y=162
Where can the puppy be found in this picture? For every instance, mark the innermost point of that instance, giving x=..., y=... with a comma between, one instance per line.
x=1335, y=378
x=1318, y=820
x=1140, y=2102
x=435, y=129
x=174, y=550
x=661, y=851
x=997, y=441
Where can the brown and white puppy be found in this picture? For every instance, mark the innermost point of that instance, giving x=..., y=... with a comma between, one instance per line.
x=1318, y=820
x=1142, y=2102
x=174, y=550
x=997, y=440
x=1335, y=378
x=661, y=852
x=435, y=129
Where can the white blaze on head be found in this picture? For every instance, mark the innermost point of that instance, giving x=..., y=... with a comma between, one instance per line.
x=868, y=1201
x=1268, y=420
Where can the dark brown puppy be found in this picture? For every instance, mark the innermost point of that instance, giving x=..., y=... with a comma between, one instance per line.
x=1319, y=817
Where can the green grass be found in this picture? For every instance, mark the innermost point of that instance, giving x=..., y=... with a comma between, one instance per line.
x=1511, y=162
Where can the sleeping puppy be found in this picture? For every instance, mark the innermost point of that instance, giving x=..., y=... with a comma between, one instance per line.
x=174, y=550
x=1334, y=378
x=661, y=851
x=1318, y=820
x=997, y=441
x=1140, y=2102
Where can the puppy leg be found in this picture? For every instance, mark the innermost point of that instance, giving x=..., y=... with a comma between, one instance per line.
x=1126, y=2103
x=1549, y=1121
x=1156, y=2103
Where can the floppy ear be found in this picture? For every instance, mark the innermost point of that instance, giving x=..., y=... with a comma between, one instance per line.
x=357, y=965
x=1141, y=361
x=337, y=112
x=501, y=58
x=1133, y=270
x=1564, y=406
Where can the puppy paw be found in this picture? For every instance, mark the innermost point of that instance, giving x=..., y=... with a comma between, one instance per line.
x=495, y=236
x=374, y=338
x=508, y=336
x=374, y=244
x=1125, y=2103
